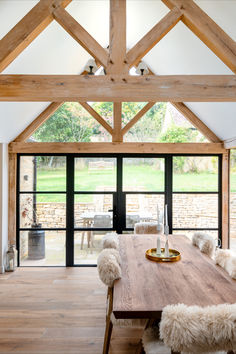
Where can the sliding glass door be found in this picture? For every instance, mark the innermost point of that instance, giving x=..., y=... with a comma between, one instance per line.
x=67, y=203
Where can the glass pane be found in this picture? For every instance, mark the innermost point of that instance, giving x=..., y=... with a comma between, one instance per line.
x=92, y=210
x=143, y=174
x=87, y=246
x=42, y=248
x=49, y=210
x=43, y=173
x=189, y=233
x=195, y=210
x=95, y=174
x=72, y=123
x=195, y=173
x=233, y=199
x=143, y=207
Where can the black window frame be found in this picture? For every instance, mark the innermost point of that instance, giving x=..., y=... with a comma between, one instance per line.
x=119, y=197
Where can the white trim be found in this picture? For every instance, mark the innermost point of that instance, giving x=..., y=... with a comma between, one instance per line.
x=230, y=143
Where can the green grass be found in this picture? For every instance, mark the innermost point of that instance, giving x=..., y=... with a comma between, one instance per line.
x=140, y=178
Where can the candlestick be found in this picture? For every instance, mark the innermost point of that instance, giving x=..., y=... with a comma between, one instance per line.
x=158, y=245
x=166, y=232
x=158, y=214
x=167, y=253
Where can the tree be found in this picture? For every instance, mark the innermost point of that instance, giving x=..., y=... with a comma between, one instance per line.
x=149, y=126
x=69, y=123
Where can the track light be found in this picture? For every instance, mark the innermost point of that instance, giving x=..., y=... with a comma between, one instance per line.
x=142, y=69
x=91, y=67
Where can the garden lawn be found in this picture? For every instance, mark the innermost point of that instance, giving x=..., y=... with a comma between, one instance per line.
x=135, y=178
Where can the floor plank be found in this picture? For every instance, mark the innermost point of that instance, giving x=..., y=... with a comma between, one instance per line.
x=57, y=311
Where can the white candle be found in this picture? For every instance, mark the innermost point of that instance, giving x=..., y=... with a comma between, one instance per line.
x=166, y=216
x=158, y=245
x=158, y=214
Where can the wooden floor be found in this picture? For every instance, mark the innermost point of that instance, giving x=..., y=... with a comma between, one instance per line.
x=56, y=310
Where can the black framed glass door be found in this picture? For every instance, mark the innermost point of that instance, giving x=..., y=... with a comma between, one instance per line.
x=77, y=198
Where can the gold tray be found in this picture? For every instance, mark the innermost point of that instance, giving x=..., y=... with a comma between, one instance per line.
x=174, y=255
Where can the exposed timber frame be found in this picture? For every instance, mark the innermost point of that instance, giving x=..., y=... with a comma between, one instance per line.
x=225, y=199
x=116, y=147
x=118, y=85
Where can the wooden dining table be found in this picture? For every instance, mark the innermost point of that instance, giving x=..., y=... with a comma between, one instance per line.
x=146, y=287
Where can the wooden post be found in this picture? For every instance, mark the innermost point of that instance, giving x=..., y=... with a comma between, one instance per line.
x=12, y=165
x=225, y=198
x=117, y=122
x=117, y=63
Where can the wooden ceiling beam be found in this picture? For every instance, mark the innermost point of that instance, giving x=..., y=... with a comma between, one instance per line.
x=117, y=42
x=196, y=122
x=81, y=35
x=37, y=122
x=118, y=147
x=117, y=88
x=97, y=116
x=26, y=30
x=150, y=39
x=207, y=30
x=137, y=117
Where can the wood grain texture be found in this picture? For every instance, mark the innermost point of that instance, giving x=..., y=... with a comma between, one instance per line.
x=196, y=122
x=138, y=116
x=12, y=167
x=117, y=122
x=81, y=35
x=37, y=122
x=118, y=88
x=151, y=38
x=57, y=311
x=156, y=148
x=26, y=30
x=207, y=30
x=117, y=41
x=225, y=199
x=146, y=287
x=97, y=116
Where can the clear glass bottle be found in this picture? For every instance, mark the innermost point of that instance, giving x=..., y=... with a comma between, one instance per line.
x=11, y=259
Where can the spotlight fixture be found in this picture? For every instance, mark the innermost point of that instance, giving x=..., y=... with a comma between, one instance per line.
x=91, y=67
x=142, y=69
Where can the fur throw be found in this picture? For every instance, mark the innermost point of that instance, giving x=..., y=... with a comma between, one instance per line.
x=108, y=265
x=193, y=329
x=148, y=228
x=110, y=240
x=206, y=243
x=152, y=343
x=227, y=260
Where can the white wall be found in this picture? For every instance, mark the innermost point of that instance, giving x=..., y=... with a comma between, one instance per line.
x=3, y=204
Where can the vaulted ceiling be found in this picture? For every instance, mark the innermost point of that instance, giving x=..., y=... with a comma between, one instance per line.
x=179, y=52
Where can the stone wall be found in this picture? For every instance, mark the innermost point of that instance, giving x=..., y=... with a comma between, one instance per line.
x=195, y=211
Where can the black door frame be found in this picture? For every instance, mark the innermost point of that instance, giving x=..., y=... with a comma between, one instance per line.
x=119, y=213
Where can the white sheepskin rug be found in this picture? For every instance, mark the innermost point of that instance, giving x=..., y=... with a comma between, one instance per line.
x=193, y=329
x=227, y=260
x=108, y=264
x=152, y=343
x=147, y=228
x=110, y=240
x=206, y=243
